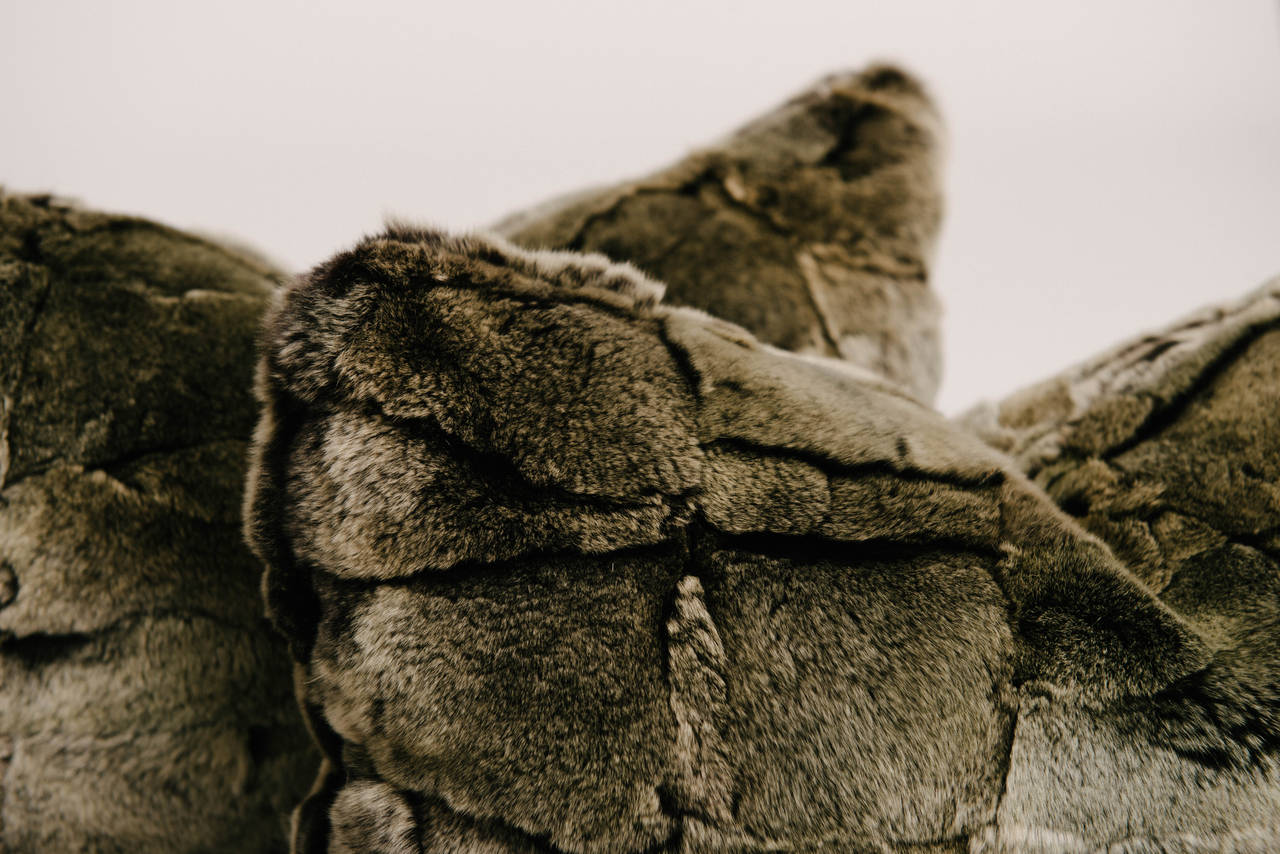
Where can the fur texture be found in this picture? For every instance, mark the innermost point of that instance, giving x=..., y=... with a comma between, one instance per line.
x=569, y=570
x=813, y=226
x=144, y=703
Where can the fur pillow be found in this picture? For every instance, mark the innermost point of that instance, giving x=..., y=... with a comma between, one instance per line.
x=813, y=226
x=146, y=704
x=1168, y=448
x=566, y=569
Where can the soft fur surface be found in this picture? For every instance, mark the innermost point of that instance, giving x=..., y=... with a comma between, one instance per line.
x=565, y=569
x=813, y=226
x=144, y=703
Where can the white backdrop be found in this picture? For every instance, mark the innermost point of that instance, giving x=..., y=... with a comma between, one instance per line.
x=1113, y=163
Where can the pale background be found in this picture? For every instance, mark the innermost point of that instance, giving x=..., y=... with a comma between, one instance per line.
x=1113, y=163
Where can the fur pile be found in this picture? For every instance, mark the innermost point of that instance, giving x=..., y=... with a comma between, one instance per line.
x=138, y=376
x=563, y=564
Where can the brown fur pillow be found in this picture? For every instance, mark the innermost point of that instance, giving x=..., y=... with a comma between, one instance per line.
x=144, y=702
x=565, y=569
x=813, y=226
x=1168, y=448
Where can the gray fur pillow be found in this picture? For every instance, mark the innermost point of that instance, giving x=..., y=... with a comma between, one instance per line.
x=565, y=569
